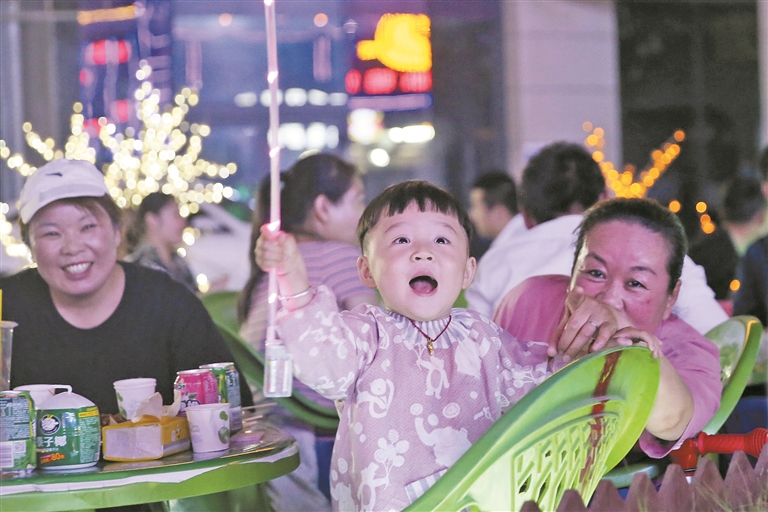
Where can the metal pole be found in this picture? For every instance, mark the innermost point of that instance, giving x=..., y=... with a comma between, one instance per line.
x=11, y=93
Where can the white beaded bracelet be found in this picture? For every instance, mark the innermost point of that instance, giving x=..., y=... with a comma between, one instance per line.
x=309, y=290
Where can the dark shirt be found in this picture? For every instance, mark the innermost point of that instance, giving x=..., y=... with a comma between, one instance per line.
x=752, y=296
x=717, y=254
x=158, y=328
x=147, y=256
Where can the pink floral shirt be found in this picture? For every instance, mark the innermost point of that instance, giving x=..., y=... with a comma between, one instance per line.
x=405, y=416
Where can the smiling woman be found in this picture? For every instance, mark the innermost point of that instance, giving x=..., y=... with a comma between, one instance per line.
x=624, y=283
x=84, y=318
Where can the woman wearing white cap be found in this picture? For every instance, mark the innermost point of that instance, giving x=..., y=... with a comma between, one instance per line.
x=84, y=318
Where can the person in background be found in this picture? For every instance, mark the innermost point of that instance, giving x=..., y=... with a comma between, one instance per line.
x=321, y=201
x=492, y=206
x=86, y=319
x=752, y=295
x=157, y=231
x=626, y=276
x=720, y=252
x=416, y=382
x=559, y=184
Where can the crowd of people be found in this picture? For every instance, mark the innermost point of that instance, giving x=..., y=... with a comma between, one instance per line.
x=367, y=305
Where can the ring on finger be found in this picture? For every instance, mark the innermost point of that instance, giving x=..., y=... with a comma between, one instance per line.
x=593, y=323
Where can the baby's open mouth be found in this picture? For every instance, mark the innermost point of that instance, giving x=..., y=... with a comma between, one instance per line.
x=423, y=285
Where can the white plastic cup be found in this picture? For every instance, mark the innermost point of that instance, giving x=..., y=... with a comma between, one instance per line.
x=209, y=427
x=278, y=371
x=131, y=392
x=6, y=350
x=41, y=392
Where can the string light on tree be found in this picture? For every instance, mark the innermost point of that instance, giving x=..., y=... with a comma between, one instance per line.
x=164, y=155
x=623, y=183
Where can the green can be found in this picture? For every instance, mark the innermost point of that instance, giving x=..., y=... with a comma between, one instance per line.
x=17, y=434
x=68, y=432
x=228, y=388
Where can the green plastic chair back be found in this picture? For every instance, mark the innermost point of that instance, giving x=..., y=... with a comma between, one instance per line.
x=222, y=306
x=738, y=339
x=564, y=434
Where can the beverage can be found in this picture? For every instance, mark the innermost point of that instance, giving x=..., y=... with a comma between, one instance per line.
x=197, y=386
x=228, y=382
x=17, y=435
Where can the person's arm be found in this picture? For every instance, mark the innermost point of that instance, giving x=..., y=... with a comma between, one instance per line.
x=279, y=251
x=673, y=408
x=696, y=363
x=329, y=348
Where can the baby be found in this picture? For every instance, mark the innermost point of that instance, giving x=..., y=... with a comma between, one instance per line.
x=415, y=383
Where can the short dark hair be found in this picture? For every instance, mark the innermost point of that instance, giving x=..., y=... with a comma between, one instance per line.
x=647, y=213
x=743, y=199
x=498, y=188
x=89, y=203
x=396, y=198
x=560, y=176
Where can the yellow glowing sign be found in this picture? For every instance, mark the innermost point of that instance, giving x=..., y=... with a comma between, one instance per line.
x=127, y=12
x=401, y=42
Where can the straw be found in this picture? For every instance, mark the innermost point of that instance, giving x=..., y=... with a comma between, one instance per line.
x=274, y=156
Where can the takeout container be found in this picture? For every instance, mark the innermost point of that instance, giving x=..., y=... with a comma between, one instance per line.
x=68, y=432
x=42, y=392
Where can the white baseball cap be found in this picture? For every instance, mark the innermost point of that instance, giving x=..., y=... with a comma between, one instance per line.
x=60, y=179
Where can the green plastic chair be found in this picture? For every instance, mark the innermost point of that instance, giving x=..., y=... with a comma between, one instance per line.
x=564, y=434
x=222, y=306
x=738, y=339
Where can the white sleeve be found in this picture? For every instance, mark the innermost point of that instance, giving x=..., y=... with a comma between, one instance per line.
x=488, y=286
x=696, y=304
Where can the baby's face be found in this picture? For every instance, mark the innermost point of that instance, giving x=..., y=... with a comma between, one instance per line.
x=418, y=261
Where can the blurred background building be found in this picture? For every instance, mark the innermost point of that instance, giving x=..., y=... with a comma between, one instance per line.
x=671, y=97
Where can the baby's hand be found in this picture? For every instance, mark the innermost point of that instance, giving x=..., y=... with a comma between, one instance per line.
x=277, y=250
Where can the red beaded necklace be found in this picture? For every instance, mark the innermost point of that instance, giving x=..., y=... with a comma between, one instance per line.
x=430, y=347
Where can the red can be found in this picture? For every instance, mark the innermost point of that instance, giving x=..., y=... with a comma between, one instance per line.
x=198, y=386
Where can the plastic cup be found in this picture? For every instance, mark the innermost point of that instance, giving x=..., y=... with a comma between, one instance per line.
x=209, y=427
x=131, y=392
x=41, y=392
x=6, y=349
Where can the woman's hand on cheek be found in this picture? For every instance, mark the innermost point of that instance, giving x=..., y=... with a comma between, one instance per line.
x=633, y=336
x=586, y=326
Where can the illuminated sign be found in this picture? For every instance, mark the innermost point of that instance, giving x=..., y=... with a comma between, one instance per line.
x=393, y=71
x=401, y=42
